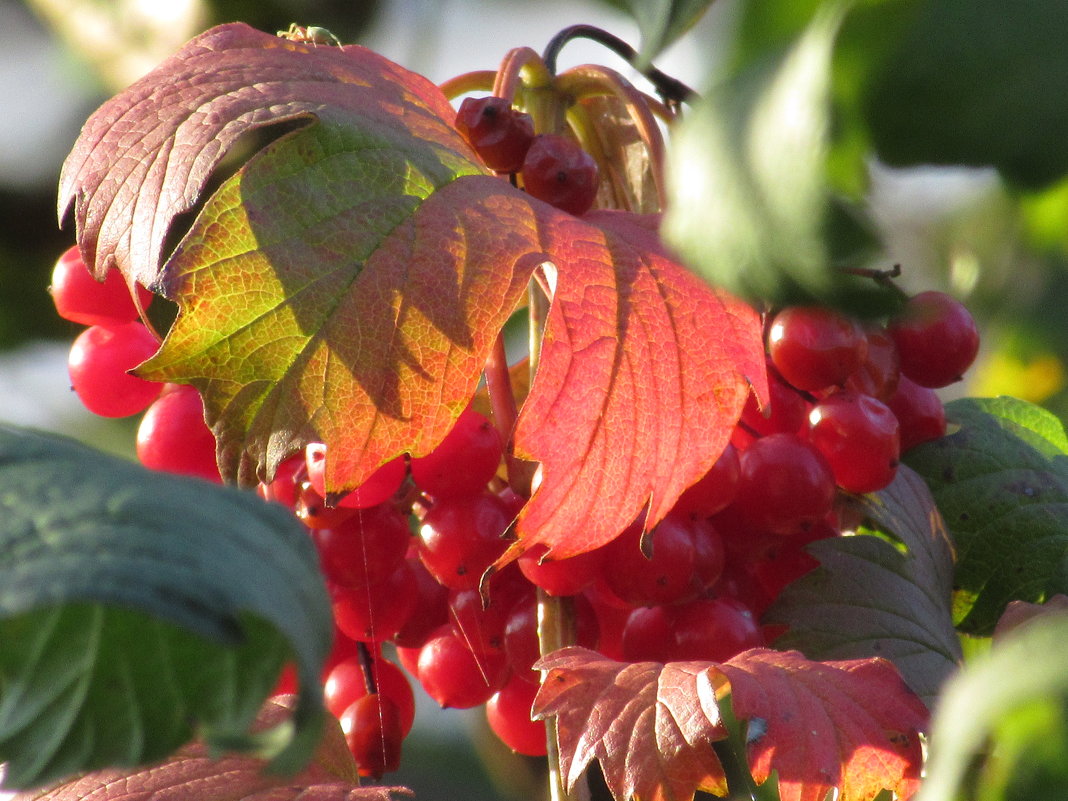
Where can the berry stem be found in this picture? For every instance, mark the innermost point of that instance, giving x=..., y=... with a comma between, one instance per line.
x=367, y=666
x=881, y=277
x=520, y=63
x=476, y=81
x=505, y=411
x=556, y=630
x=671, y=89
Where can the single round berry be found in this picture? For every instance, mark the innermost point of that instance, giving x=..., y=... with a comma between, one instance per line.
x=714, y=491
x=499, y=133
x=814, y=347
x=461, y=537
x=936, y=337
x=786, y=412
x=655, y=567
x=785, y=484
x=374, y=734
x=375, y=613
x=99, y=363
x=919, y=412
x=462, y=463
x=365, y=548
x=508, y=714
x=558, y=171
x=560, y=577
x=714, y=630
x=455, y=677
x=881, y=369
x=173, y=436
x=430, y=612
x=858, y=435
x=80, y=298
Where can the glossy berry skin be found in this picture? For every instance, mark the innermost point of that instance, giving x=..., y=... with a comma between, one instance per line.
x=364, y=548
x=99, y=363
x=346, y=683
x=936, y=337
x=714, y=491
x=558, y=171
x=499, y=133
x=460, y=537
x=858, y=435
x=879, y=373
x=508, y=715
x=431, y=608
x=560, y=577
x=375, y=613
x=814, y=347
x=80, y=298
x=663, y=574
x=919, y=412
x=785, y=484
x=462, y=463
x=377, y=489
x=374, y=734
x=455, y=677
x=173, y=436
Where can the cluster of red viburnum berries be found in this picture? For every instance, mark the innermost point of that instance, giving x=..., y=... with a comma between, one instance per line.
x=403, y=555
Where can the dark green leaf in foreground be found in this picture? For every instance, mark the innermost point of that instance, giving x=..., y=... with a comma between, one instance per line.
x=138, y=609
x=868, y=598
x=977, y=82
x=751, y=207
x=1001, y=728
x=1001, y=483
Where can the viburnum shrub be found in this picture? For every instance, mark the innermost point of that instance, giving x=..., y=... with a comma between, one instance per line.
x=676, y=537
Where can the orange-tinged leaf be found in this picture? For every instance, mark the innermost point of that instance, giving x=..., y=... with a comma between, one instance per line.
x=643, y=373
x=642, y=721
x=853, y=724
x=146, y=155
x=347, y=284
x=192, y=773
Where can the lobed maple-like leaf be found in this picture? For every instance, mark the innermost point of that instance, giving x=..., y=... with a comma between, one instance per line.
x=645, y=723
x=643, y=372
x=146, y=155
x=347, y=285
x=851, y=725
x=192, y=772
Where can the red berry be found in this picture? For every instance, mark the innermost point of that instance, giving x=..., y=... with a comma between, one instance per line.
x=879, y=374
x=785, y=413
x=99, y=364
x=561, y=577
x=815, y=347
x=558, y=171
x=785, y=484
x=499, y=133
x=919, y=412
x=936, y=337
x=714, y=491
x=714, y=630
x=460, y=537
x=378, y=488
x=455, y=677
x=375, y=613
x=464, y=462
x=364, y=548
x=508, y=715
x=346, y=683
x=82, y=299
x=663, y=573
x=374, y=734
x=431, y=609
x=858, y=435
x=173, y=436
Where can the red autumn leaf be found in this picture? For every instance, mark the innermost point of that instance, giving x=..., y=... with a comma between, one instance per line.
x=146, y=155
x=192, y=773
x=348, y=283
x=642, y=721
x=852, y=725
x=643, y=373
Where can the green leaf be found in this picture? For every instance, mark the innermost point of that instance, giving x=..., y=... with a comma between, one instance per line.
x=1001, y=728
x=138, y=609
x=663, y=21
x=749, y=201
x=972, y=82
x=1001, y=483
x=871, y=598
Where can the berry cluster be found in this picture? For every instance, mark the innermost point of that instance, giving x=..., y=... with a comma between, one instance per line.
x=404, y=554
x=551, y=167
